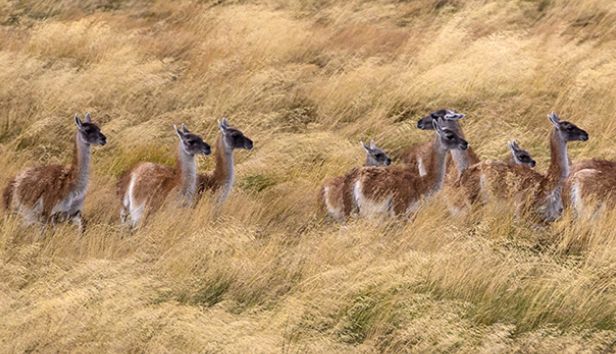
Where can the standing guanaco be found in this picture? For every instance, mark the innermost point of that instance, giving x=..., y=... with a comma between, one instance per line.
x=56, y=193
x=146, y=187
x=336, y=195
x=529, y=190
x=397, y=190
x=222, y=178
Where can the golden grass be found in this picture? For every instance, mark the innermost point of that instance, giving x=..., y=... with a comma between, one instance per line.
x=306, y=81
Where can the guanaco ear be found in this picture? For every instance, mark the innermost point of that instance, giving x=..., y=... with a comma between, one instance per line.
x=223, y=125
x=178, y=132
x=513, y=145
x=78, y=121
x=88, y=119
x=554, y=119
x=365, y=146
x=184, y=129
x=451, y=115
x=372, y=144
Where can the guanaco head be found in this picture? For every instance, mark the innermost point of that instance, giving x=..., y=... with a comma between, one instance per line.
x=233, y=138
x=520, y=156
x=89, y=132
x=374, y=155
x=447, y=137
x=448, y=116
x=192, y=144
x=567, y=130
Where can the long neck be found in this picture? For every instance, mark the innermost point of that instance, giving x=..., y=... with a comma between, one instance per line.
x=559, y=162
x=462, y=158
x=186, y=170
x=80, y=167
x=433, y=180
x=223, y=173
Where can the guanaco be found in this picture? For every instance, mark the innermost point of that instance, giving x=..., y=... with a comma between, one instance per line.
x=420, y=154
x=397, y=190
x=145, y=188
x=519, y=156
x=222, y=178
x=56, y=193
x=591, y=187
x=336, y=195
x=529, y=190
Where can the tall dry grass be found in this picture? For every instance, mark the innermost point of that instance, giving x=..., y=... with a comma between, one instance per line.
x=307, y=81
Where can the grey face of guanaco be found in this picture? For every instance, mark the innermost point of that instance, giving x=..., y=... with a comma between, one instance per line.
x=89, y=132
x=521, y=156
x=447, y=137
x=234, y=139
x=448, y=117
x=568, y=130
x=375, y=156
x=192, y=144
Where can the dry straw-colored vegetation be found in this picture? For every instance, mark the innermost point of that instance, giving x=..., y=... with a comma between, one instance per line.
x=306, y=80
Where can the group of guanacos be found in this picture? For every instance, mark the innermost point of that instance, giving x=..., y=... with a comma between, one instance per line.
x=51, y=194
x=381, y=189
x=47, y=195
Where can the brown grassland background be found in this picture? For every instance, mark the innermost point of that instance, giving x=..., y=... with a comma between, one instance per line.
x=306, y=80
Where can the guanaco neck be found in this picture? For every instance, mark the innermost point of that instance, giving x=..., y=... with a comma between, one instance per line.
x=462, y=158
x=80, y=168
x=559, y=160
x=224, y=175
x=186, y=172
x=435, y=176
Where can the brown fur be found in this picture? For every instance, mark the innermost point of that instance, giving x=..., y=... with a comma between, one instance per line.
x=7, y=194
x=411, y=155
x=153, y=183
x=605, y=166
x=503, y=180
x=595, y=181
x=340, y=192
x=51, y=184
x=521, y=184
x=402, y=183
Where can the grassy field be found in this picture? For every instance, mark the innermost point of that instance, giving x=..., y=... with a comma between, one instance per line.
x=306, y=80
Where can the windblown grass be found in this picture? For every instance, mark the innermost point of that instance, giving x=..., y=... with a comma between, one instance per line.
x=306, y=81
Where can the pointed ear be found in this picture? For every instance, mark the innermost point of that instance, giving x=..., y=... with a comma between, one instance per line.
x=78, y=121
x=365, y=146
x=451, y=115
x=88, y=119
x=513, y=145
x=372, y=144
x=554, y=119
x=178, y=132
x=184, y=129
x=223, y=125
x=224, y=122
